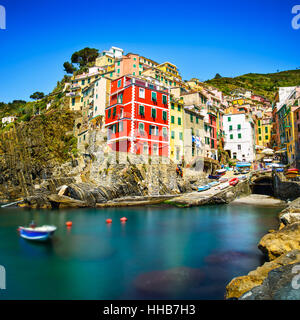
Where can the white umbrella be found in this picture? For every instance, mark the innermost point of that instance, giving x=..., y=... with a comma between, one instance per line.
x=268, y=152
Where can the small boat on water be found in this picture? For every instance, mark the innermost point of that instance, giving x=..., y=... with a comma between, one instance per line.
x=223, y=180
x=214, y=177
x=203, y=188
x=233, y=182
x=42, y=233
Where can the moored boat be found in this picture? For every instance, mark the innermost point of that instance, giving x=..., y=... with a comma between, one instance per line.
x=221, y=172
x=214, y=177
x=292, y=171
x=38, y=234
x=223, y=180
x=224, y=185
x=233, y=182
x=215, y=183
x=203, y=188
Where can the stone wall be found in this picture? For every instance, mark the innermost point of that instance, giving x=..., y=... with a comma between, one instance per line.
x=285, y=190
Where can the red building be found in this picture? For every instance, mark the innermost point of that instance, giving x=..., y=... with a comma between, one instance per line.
x=138, y=117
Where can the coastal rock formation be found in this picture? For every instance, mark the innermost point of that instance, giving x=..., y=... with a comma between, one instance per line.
x=291, y=214
x=241, y=285
x=280, y=242
x=281, y=284
x=39, y=160
x=34, y=152
x=207, y=197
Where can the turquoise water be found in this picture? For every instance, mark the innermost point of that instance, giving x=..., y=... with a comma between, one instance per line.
x=160, y=253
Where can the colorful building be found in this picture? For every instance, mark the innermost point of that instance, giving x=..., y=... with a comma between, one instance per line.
x=297, y=133
x=193, y=133
x=286, y=107
x=138, y=117
x=263, y=126
x=167, y=74
x=176, y=130
x=239, y=136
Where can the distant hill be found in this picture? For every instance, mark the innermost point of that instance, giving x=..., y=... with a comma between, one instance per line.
x=262, y=84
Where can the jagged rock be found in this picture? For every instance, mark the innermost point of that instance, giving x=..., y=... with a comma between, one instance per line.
x=280, y=284
x=277, y=243
x=241, y=285
x=229, y=197
x=290, y=217
x=65, y=202
x=63, y=190
x=292, y=213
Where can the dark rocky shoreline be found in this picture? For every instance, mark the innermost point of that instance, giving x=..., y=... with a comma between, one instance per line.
x=273, y=280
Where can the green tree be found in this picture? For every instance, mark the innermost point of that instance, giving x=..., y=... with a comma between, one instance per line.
x=218, y=76
x=69, y=68
x=37, y=95
x=84, y=56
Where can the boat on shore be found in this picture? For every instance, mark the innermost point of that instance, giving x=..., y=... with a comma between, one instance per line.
x=213, y=184
x=42, y=233
x=214, y=177
x=221, y=172
x=224, y=185
x=204, y=188
x=233, y=182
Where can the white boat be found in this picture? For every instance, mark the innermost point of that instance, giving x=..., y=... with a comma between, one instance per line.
x=224, y=185
x=39, y=234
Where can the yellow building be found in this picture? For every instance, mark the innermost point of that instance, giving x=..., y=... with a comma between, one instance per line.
x=195, y=84
x=176, y=130
x=104, y=61
x=167, y=74
x=170, y=69
x=263, y=129
x=82, y=81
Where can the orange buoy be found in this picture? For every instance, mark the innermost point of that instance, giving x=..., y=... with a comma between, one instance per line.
x=69, y=223
x=108, y=221
x=124, y=219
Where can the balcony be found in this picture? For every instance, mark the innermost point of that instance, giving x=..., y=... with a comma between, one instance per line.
x=73, y=94
x=75, y=87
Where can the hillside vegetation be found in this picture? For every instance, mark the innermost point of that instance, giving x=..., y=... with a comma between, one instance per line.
x=262, y=84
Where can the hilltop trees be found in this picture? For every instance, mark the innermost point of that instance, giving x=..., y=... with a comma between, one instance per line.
x=83, y=58
x=37, y=95
x=69, y=68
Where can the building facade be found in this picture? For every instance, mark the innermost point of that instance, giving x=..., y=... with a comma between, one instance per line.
x=176, y=130
x=193, y=133
x=138, y=117
x=239, y=136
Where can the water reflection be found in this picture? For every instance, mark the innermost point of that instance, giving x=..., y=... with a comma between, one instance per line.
x=158, y=253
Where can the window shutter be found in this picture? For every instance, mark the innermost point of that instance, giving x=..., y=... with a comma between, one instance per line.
x=153, y=113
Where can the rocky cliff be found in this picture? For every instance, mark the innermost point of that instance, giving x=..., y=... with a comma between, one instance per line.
x=40, y=163
x=33, y=152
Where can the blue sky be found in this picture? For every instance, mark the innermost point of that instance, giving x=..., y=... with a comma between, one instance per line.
x=201, y=37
